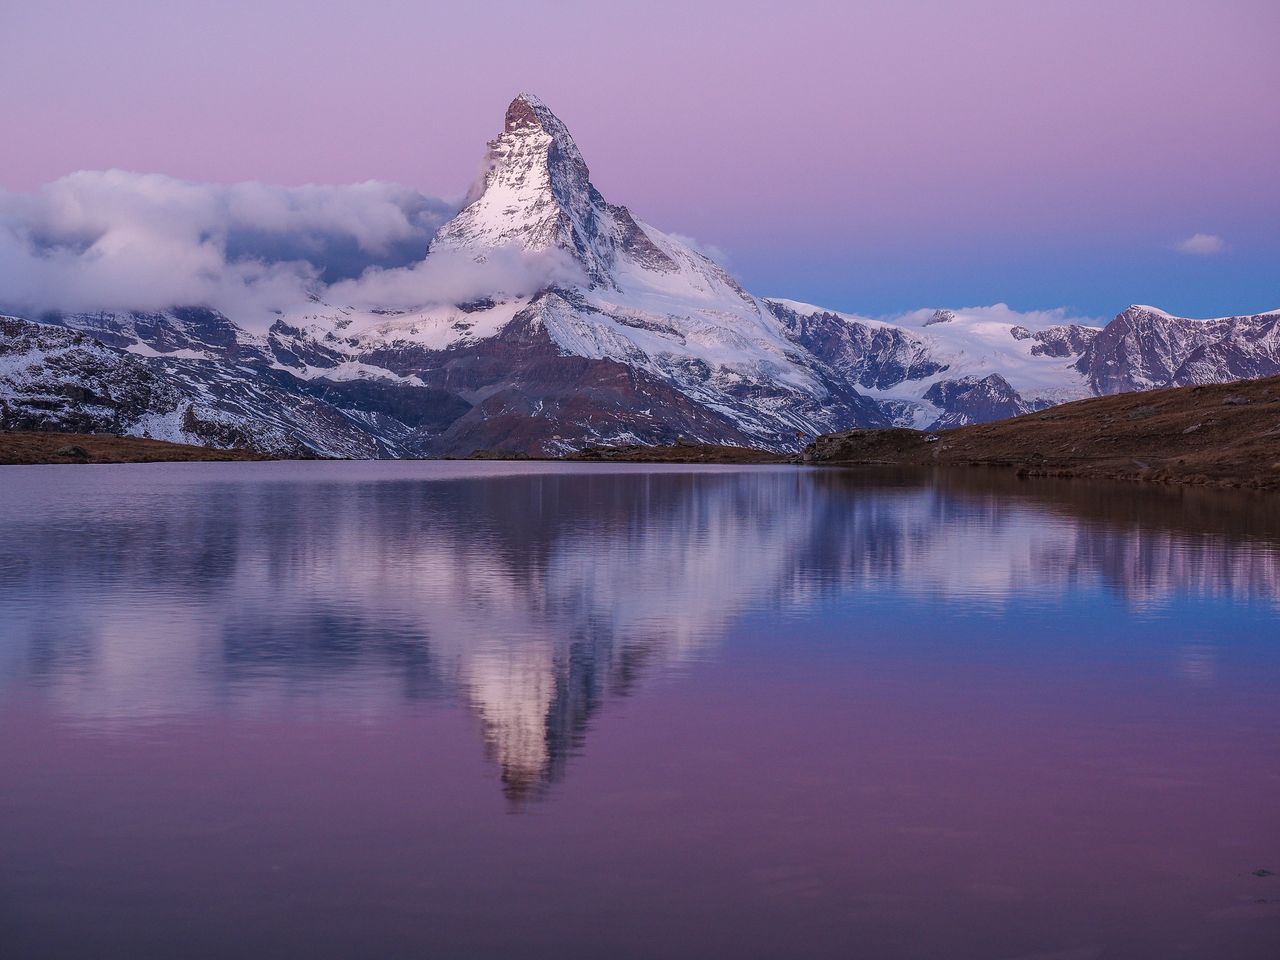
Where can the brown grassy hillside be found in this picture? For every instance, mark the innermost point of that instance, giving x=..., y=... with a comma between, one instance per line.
x=29, y=447
x=1221, y=434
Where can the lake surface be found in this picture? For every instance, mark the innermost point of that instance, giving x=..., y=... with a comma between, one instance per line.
x=505, y=710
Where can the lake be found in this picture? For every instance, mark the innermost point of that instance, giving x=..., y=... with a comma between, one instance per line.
x=547, y=710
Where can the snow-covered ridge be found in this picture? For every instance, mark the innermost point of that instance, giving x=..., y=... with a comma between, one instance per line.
x=544, y=317
x=906, y=361
x=1156, y=311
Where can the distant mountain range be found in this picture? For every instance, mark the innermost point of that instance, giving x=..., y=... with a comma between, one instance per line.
x=635, y=337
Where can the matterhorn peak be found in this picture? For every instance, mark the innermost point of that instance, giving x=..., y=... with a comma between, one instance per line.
x=523, y=112
x=527, y=114
x=533, y=192
x=526, y=110
x=535, y=195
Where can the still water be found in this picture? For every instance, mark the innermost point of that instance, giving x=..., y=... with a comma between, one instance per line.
x=503, y=710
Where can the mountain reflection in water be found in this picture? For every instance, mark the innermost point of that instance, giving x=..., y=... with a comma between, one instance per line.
x=536, y=595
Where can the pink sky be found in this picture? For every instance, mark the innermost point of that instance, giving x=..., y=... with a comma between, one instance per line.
x=879, y=155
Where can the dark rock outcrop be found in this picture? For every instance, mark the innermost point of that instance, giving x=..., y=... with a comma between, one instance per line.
x=1068, y=340
x=877, y=357
x=974, y=400
x=1144, y=348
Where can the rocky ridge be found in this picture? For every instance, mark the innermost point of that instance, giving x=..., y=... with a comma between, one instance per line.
x=630, y=336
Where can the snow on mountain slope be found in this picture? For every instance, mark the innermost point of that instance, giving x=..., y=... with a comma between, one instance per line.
x=650, y=301
x=642, y=298
x=536, y=195
x=1144, y=347
x=52, y=378
x=916, y=364
x=544, y=318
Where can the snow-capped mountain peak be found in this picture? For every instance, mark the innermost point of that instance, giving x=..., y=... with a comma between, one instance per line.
x=535, y=195
x=631, y=335
x=528, y=112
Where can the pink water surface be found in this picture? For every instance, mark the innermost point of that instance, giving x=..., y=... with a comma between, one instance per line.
x=896, y=718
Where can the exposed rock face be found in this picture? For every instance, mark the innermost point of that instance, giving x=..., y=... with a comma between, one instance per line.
x=53, y=378
x=536, y=194
x=1069, y=340
x=898, y=363
x=532, y=397
x=703, y=359
x=971, y=400
x=625, y=335
x=295, y=347
x=190, y=329
x=1143, y=348
x=871, y=357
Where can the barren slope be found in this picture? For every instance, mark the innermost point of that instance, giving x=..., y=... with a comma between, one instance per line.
x=1223, y=434
x=35, y=447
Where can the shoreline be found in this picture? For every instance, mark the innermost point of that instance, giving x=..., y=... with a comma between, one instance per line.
x=1216, y=435
x=1221, y=435
x=36, y=448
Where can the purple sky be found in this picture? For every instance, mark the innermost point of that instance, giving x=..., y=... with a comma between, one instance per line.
x=874, y=156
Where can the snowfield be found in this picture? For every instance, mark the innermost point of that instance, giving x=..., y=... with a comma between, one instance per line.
x=544, y=318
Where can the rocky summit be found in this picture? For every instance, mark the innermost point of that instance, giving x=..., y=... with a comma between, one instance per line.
x=581, y=326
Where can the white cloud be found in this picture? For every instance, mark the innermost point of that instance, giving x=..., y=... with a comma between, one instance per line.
x=125, y=241
x=996, y=315
x=452, y=276
x=1203, y=245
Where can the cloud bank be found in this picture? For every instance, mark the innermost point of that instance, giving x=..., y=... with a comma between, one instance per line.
x=999, y=315
x=115, y=240
x=1203, y=245
x=452, y=276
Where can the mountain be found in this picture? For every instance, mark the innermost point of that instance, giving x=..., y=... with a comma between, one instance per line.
x=640, y=338
x=54, y=378
x=582, y=325
x=1144, y=347
x=1221, y=434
